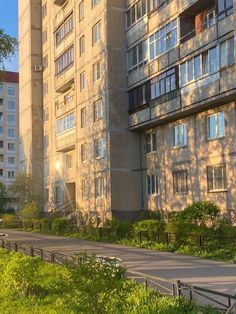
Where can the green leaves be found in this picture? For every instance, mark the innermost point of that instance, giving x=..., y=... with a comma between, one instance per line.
x=8, y=45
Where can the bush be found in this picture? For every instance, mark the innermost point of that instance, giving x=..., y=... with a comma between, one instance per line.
x=10, y=221
x=150, y=215
x=46, y=225
x=27, y=223
x=59, y=226
x=36, y=223
x=30, y=211
x=149, y=226
x=200, y=214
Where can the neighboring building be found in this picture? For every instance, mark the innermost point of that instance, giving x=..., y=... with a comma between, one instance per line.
x=182, y=87
x=177, y=90
x=89, y=155
x=9, y=125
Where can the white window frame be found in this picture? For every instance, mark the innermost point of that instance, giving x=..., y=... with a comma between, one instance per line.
x=180, y=138
x=217, y=117
x=152, y=184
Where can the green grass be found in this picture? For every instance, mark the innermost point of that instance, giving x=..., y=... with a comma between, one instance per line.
x=29, y=285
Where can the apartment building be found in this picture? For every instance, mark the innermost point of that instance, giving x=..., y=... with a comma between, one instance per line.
x=73, y=69
x=9, y=123
x=131, y=103
x=182, y=85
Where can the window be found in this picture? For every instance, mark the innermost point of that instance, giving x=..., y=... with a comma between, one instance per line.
x=151, y=142
x=82, y=81
x=11, y=104
x=11, y=160
x=64, y=30
x=1, y=88
x=68, y=98
x=227, y=52
x=203, y=64
x=138, y=10
x=65, y=61
x=66, y=123
x=11, y=147
x=83, y=117
x=163, y=83
x=180, y=135
x=215, y=125
x=97, y=71
x=137, y=56
x=57, y=194
x=81, y=10
x=11, y=118
x=11, y=133
x=85, y=189
x=152, y=184
x=180, y=181
x=11, y=174
x=1, y=116
x=44, y=36
x=163, y=40
x=1, y=172
x=1, y=101
x=138, y=96
x=45, y=141
x=225, y=8
x=99, y=148
x=44, y=10
x=83, y=152
x=98, y=112
x=68, y=161
x=11, y=91
x=82, y=45
x=216, y=177
x=95, y=2
x=1, y=130
x=45, y=62
x=1, y=157
x=99, y=187
x=96, y=32
x=1, y=144
x=45, y=89
x=45, y=115
x=158, y=4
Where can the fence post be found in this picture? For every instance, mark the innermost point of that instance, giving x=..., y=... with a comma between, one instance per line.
x=100, y=233
x=3, y=244
x=32, y=251
x=52, y=258
x=140, y=238
x=179, y=288
x=16, y=247
x=167, y=238
x=146, y=282
x=41, y=254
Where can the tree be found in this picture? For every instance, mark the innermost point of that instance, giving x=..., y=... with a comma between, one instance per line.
x=3, y=197
x=25, y=189
x=8, y=46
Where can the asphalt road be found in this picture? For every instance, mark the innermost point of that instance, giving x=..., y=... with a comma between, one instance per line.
x=169, y=266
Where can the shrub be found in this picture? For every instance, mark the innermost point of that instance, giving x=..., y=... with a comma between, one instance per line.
x=36, y=223
x=59, y=225
x=46, y=225
x=27, y=223
x=116, y=224
x=10, y=221
x=30, y=210
x=150, y=215
x=200, y=214
x=149, y=226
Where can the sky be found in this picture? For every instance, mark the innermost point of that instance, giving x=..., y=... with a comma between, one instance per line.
x=9, y=22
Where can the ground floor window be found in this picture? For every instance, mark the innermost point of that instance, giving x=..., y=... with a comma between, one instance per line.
x=216, y=177
x=180, y=181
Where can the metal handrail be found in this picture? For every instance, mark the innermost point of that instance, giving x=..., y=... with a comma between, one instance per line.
x=62, y=207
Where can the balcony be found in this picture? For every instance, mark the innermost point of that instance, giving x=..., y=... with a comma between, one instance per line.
x=59, y=2
x=137, y=31
x=65, y=80
x=66, y=142
x=65, y=106
x=63, y=12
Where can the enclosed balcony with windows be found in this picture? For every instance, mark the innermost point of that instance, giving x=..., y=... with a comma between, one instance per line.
x=203, y=15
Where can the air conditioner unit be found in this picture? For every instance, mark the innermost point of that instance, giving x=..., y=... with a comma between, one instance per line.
x=38, y=68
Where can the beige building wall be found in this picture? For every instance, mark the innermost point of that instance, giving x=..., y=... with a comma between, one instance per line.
x=9, y=126
x=30, y=89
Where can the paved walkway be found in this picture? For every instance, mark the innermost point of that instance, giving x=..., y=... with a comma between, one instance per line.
x=206, y=273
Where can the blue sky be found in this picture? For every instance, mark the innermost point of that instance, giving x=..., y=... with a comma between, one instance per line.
x=9, y=22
